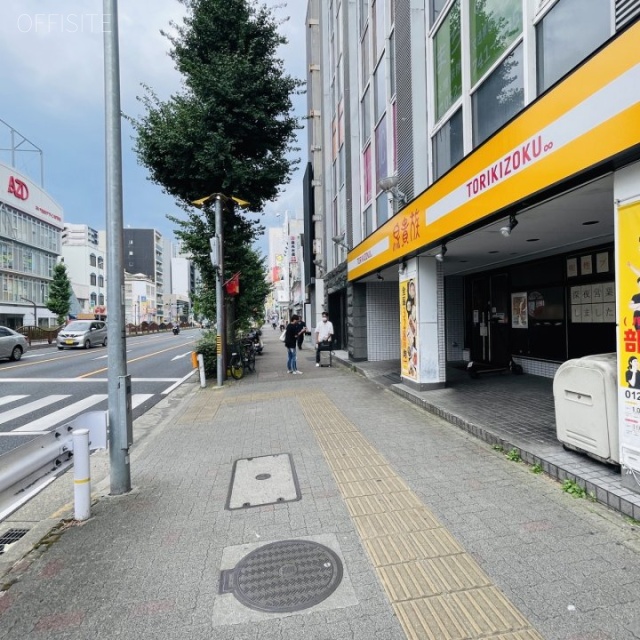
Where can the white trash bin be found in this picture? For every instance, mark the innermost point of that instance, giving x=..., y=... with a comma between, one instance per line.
x=585, y=394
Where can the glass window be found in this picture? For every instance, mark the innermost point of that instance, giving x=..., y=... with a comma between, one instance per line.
x=447, y=145
x=93, y=279
x=379, y=93
x=495, y=24
x=567, y=35
x=92, y=260
x=101, y=281
x=394, y=133
x=364, y=13
x=381, y=150
x=101, y=263
x=382, y=209
x=435, y=9
x=365, y=58
x=447, y=60
x=368, y=221
x=380, y=32
x=366, y=117
x=499, y=97
x=367, y=177
x=392, y=64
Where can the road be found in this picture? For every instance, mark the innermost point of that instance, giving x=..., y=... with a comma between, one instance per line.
x=49, y=387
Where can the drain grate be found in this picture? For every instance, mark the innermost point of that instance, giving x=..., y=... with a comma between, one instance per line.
x=10, y=536
x=284, y=576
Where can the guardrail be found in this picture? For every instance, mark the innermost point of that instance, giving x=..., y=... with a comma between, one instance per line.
x=26, y=470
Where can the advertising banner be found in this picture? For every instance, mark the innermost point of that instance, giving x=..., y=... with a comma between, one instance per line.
x=628, y=338
x=409, y=328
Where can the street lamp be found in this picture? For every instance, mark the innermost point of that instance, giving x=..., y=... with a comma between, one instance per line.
x=35, y=310
x=217, y=261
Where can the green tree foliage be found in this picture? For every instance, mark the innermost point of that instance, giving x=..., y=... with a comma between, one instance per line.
x=229, y=130
x=59, y=301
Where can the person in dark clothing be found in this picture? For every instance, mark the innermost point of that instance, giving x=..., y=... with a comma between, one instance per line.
x=290, y=341
x=302, y=325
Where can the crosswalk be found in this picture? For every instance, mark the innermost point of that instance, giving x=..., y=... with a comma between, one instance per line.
x=59, y=410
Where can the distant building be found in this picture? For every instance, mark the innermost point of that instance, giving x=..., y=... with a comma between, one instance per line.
x=31, y=224
x=86, y=268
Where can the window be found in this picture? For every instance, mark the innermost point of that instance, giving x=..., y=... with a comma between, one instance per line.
x=364, y=13
x=447, y=60
x=435, y=8
x=495, y=25
x=499, y=97
x=364, y=57
x=447, y=145
x=101, y=281
x=567, y=35
x=379, y=91
x=392, y=64
x=379, y=31
x=367, y=182
x=381, y=150
x=368, y=221
x=93, y=280
x=100, y=262
x=366, y=117
x=92, y=260
x=382, y=209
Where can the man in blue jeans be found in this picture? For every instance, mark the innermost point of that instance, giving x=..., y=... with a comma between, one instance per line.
x=324, y=336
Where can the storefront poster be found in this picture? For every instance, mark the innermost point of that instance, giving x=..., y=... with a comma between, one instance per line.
x=409, y=328
x=519, y=311
x=628, y=337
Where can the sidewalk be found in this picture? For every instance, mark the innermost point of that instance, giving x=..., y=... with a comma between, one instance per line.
x=408, y=525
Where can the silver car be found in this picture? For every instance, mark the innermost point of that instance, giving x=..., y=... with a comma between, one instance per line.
x=82, y=333
x=12, y=344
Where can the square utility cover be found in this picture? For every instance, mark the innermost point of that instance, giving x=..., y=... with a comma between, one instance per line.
x=263, y=480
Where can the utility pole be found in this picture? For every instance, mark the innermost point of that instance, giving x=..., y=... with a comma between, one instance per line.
x=221, y=329
x=119, y=383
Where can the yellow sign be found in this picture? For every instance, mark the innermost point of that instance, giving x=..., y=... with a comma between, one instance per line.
x=593, y=115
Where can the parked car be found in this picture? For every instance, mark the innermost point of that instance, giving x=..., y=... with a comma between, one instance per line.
x=83, y=334
x=12, y=344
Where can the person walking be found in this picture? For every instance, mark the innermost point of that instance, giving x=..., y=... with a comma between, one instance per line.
x=290, y=341
x=324, y=336
x=302, y=325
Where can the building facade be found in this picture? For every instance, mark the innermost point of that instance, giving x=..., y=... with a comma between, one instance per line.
x=490, y=195
x=84, y=257
x=31, y=224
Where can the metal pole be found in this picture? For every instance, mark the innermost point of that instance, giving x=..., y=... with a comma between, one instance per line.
x=220, y=332
x=118, y=407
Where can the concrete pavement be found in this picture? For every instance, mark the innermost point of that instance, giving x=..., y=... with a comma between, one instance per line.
x=436, y=534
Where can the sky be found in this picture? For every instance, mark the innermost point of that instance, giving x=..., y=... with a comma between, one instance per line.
x=52, y=79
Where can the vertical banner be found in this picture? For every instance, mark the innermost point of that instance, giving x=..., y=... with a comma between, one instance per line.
x=628, y=335
x=409, y=328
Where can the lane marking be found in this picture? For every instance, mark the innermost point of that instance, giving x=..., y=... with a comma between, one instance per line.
x=54, y=418
x=184, y=355
x=138, y=398
x=45, y=380
x=178, y=383
x=8, y=399
x=29, y=407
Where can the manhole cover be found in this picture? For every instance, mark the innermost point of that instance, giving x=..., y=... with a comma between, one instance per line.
x=284, y=576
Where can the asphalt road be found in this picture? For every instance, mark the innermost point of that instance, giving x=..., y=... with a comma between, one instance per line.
x=49, y=387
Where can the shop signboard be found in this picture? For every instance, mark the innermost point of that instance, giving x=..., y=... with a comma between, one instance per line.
x=628, y=335
x=410, y=364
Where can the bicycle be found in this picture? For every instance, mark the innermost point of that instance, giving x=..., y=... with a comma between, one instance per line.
x=243, y=357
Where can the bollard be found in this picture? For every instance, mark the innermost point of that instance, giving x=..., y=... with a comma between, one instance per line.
x=194, y=359
x=81, y=474
x=203, y=381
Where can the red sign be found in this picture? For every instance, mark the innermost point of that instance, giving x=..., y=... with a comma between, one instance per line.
x=18, y=188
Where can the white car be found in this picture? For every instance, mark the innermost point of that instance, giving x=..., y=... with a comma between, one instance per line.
x=12, y=344
x=82, y=333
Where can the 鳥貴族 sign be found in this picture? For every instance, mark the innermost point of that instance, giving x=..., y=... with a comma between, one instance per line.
x=591, y=116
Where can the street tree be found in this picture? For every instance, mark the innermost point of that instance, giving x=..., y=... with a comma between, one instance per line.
x=59, y=301
x=229, y=130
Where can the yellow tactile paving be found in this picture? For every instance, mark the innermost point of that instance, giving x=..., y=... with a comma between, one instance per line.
x=437, y=590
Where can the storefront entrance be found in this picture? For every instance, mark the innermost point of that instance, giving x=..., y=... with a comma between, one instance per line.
x=490, y=323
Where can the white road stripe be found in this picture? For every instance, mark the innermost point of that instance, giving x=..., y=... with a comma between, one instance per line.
x=138, y=398
x=184, y=355
x=59, y=416
x=79, y=380
x=178, y=382
x=8, y=399
x=29, y=407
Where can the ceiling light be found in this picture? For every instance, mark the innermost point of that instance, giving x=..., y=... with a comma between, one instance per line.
x=440, y=256
x=509, y=227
